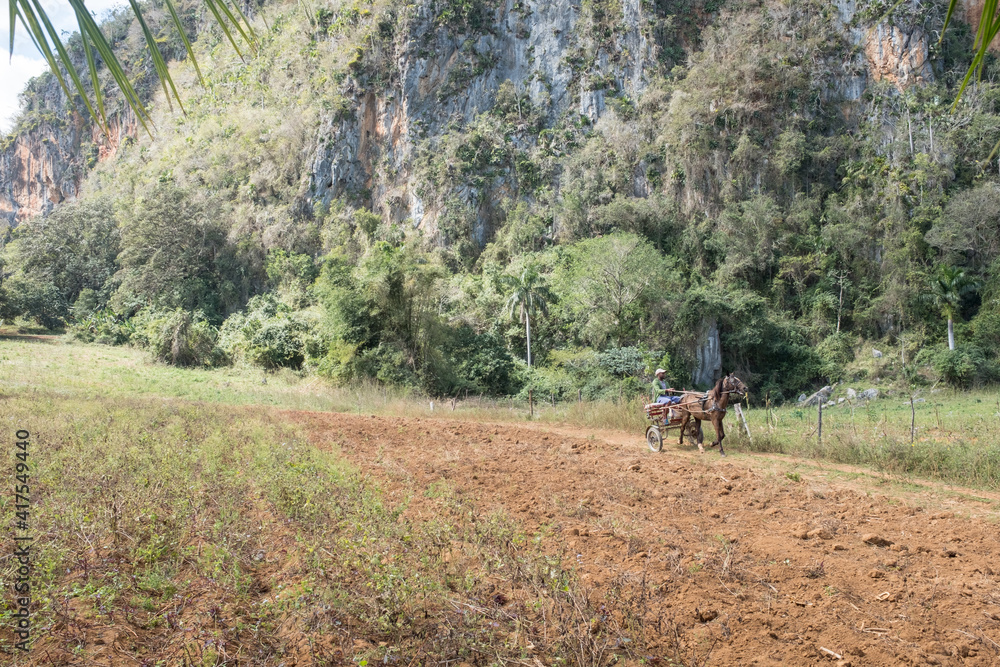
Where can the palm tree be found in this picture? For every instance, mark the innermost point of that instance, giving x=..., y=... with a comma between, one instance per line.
x=528, y=296
x=947, y=289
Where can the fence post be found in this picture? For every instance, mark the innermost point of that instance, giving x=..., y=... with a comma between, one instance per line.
x=913, y=419
x=579, y=398
x=819, y=425
x=739, y=412
x=531, y=405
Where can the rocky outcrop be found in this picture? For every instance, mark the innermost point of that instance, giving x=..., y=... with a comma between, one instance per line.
x=45, y=163
x=445, y=77
x=897, y=54
x=708, y=355
x=37, y=171
x=899, y=57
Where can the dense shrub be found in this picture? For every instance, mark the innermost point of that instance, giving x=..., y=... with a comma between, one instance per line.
x=479, y=363
x=179, y=337
x=266, y=334
x=962, y=367
x=34, y=298
x=835, y=352
x=104, y=326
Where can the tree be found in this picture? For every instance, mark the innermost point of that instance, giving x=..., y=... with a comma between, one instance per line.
x=175, y=254
x=969, y=227
x=528, y=296
x=947, y=289
x=74, y=248
x=381, y=315
x=610, y=284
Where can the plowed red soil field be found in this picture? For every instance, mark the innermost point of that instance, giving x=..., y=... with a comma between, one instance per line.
x=759, y=567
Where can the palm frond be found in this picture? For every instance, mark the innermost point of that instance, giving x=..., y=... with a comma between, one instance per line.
x=158, y=62
x=986, y=32
x=94, y=81
x=46, y=39
x=187, y=43
x=214, y=8
x=12, y=21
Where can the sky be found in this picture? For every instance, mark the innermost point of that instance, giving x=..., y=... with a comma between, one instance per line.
x=27, y=62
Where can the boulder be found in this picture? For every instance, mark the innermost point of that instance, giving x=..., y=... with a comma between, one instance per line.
x=868, y=394
x=820, y=396
x=876, y=353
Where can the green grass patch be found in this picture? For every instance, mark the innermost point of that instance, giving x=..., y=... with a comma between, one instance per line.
x=954, y=436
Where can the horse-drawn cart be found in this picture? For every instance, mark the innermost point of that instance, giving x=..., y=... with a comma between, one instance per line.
x=667, y=418
x=694, y=408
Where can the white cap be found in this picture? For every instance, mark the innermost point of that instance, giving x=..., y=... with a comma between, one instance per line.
x=658, y=371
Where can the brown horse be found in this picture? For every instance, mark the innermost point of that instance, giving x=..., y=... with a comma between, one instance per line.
x=710, y=407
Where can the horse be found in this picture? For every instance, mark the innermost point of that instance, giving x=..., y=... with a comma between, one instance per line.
x=710, y=407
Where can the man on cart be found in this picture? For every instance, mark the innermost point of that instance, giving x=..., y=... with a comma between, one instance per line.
x=661, y=392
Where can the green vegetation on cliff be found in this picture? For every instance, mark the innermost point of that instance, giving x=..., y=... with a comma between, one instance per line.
x=356, y=199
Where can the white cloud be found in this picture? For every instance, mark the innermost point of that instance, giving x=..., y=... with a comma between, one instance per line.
x=14, y=74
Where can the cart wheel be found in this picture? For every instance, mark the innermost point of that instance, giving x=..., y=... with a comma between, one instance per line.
x=654, y=438
x=693, y=432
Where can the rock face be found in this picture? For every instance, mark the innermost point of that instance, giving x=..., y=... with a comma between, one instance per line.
x=445, y=77
x=708, y=355
x=441, y=75
x=45, y=164
x=893, y=53
x=37, y=172
x=899, y=57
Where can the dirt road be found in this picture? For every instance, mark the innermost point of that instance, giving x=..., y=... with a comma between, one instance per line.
x=760, y=567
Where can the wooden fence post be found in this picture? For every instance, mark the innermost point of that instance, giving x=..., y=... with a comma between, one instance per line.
x=913, y=419
x=531, y=405
x=819, y=425
x=739, y=412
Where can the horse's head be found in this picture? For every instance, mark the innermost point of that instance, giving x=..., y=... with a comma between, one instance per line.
x=735, y=386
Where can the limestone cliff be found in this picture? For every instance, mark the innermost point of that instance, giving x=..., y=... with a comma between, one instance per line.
x=443, y=76
x=564, y=57
x=43, y=163
x=895, y=53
